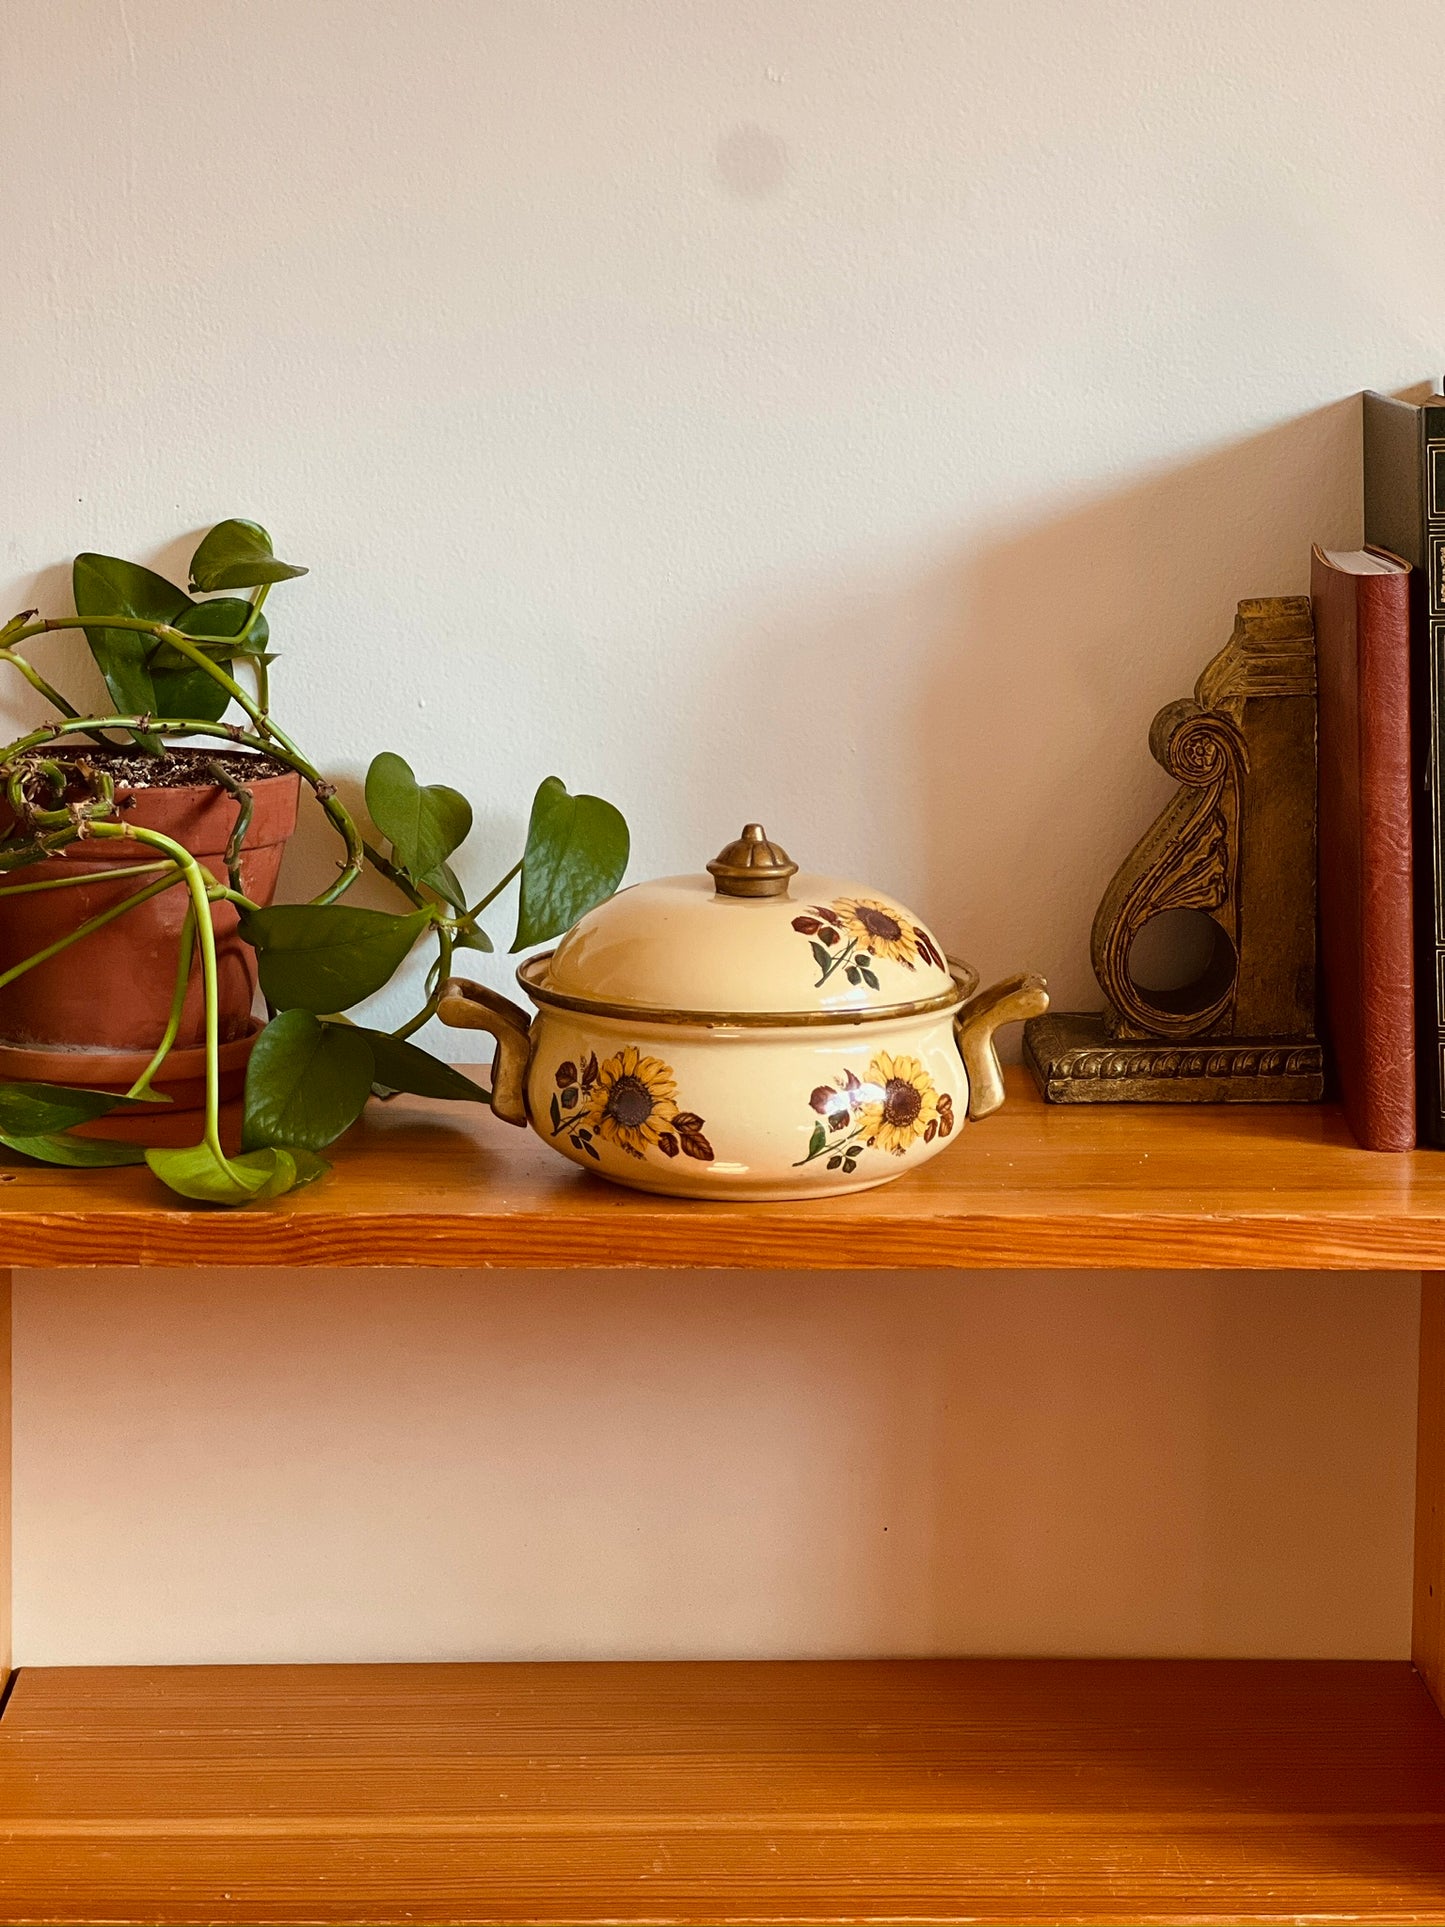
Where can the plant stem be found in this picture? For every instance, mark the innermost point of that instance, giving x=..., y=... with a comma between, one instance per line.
x=385, y=867
x=86, y=876
x=335, y=809
x=258, y=599
x=206, y=931
x=188, y=647
x=497, y=889
x=140, y=625
x=837, y=961
x=262, y=670
x=36, y=849
x=37, y=682
x=196, y=880
x=444, y=966
x=184, y=952
x=246, y=804
x=269, y=738
x=97, y=922
x=833, y=1144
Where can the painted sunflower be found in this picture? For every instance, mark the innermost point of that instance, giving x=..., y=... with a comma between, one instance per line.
x=905, y=1105
x=876, y=928
x=634, y=1101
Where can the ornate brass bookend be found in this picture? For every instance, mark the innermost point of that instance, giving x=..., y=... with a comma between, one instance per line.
x=1235, y=850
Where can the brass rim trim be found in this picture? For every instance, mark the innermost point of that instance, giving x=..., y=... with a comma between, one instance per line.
x=946, y=1000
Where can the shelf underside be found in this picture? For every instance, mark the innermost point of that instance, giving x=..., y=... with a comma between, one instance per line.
x=978, y=1790
x=421, y=1183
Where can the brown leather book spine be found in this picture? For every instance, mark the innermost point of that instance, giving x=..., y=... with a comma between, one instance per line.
x=1362, y=643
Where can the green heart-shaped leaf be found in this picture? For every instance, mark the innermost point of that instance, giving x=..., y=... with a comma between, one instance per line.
x=324, y=957
x=473, y=938
x=37, y=1110
x=306, y=1082
x=104, y=585
x=448, y=885
x=81, y=1153
x=184, y=689
x=214, y=625
x=403, y=1067
x=576, y=853
x=423, y=825
x=196, y=1172
x=238, y=555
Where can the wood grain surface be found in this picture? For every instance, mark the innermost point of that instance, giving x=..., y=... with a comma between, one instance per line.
x=5, y=1480
x=1427, y=1643
x=418, y=1183
x=983, y=1790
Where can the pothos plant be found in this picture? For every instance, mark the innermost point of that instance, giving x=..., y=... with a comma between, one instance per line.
x=177, y=666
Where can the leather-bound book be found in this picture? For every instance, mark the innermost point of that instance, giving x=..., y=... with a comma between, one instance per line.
x=1366, y=888
x=1405, y=515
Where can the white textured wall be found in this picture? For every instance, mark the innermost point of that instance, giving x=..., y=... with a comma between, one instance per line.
x=857, y=416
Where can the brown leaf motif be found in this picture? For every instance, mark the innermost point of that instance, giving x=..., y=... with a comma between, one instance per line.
x=928, y=948
x=856, y=934
x=893, y=1107
x=689, y=1131
x=627, y=1102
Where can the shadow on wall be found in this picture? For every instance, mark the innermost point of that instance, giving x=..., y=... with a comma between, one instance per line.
x=1064, y=639
x=968, y=730
x=973, y=732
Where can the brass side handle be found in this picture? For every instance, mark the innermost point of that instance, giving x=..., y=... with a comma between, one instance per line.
x=964, y=976
x=1009, y=1002
x=468, y=1006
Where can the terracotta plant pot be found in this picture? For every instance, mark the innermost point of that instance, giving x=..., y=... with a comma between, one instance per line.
x=94, y=1013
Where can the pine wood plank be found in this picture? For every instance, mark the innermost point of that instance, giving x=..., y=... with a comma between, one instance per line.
x=1428, y=1639
x=5, y=1480
x=1037, y=1185
x=982, y=1790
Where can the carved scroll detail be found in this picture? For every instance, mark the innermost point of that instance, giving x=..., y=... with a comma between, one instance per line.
x=1235, y=845
x=1236, y=842
x=1185, y=861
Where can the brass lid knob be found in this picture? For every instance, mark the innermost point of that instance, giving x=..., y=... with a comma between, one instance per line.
x=752, y=867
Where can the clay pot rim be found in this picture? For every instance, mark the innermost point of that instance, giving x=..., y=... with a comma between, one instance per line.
x=100, y=1069
x=105, y=754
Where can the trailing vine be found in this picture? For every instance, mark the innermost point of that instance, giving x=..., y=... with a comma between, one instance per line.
x=170, y=660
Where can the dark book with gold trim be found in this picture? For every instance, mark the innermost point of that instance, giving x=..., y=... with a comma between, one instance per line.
x=1405, y=513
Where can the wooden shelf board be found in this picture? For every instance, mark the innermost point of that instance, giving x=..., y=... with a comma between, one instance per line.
x=880, y=1791
x=1092, y=1186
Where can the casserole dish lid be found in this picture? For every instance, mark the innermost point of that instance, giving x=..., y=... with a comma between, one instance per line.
x=751, y=940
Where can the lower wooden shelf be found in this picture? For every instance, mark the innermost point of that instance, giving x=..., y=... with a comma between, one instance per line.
x=889, y=1791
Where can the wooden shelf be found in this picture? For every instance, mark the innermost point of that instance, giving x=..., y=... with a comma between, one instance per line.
x=943, y=1790
x=1036, y=1185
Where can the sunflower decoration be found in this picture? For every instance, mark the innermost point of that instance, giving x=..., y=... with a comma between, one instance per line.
x=879, y=930
x=630, y=1101
x=852, y=934
x=896, y=1105
x=906, y=1106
